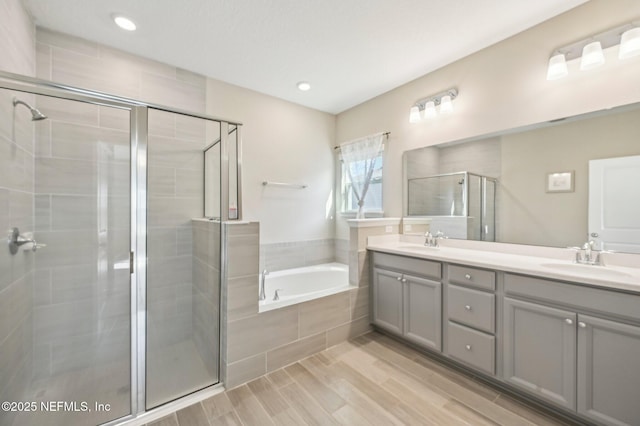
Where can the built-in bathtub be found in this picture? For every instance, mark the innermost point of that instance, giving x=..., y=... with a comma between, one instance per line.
x=303, y=284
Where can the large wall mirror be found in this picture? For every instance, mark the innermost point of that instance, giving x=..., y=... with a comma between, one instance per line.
x=552, y=184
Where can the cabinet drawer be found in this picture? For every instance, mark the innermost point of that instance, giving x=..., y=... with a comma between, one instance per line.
x=420, y=267
x=472, y=307
x=474, y=277
x=472, y=347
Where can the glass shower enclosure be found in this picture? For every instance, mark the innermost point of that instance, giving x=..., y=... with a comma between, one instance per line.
x=463, y=202
x=104, y=312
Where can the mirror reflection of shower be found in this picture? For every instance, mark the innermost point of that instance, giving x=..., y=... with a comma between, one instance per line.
x=460, y=204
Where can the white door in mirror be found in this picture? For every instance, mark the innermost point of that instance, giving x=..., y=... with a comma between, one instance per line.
x=614, y=203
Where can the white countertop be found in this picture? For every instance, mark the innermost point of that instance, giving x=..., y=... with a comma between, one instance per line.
x=622, y=271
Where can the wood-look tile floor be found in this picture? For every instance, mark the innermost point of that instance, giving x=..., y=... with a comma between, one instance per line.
x=372, y=380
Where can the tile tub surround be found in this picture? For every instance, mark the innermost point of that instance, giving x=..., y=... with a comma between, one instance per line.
x=359, y=231
x=296, y=254
x=257, y=343
x=521, y=259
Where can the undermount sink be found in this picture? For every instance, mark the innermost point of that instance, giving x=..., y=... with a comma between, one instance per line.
x=417, y=247
x=592, y=270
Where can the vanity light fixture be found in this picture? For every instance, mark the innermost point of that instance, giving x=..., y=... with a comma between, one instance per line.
x=590, y=50
x=430, y=106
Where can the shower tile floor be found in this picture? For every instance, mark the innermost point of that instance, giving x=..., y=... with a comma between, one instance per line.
x=372, y=380
x=110, y=384
x=175, y=370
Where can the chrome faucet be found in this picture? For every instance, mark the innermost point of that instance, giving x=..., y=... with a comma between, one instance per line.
x=428, y=239
x=586, y=255
x=262, y=295
x=433, y=240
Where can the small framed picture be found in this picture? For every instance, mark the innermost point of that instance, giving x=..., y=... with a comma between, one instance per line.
x=560, y=182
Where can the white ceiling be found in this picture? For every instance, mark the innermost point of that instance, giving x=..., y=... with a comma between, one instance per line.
x=349, y=50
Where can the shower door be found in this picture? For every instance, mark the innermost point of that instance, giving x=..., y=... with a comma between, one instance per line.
x=183, y=267
x=66, y=308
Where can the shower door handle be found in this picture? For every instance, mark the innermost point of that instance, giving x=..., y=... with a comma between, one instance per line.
x=131, y=261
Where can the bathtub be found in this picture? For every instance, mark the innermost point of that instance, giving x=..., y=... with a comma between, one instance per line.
x=303, y=284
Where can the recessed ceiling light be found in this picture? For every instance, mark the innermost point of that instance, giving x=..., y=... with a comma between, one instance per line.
x=304, y=86
x=124, y=23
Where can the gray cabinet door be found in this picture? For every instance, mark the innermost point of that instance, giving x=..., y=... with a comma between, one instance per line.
x=387, y=300
x=608, y=371
x=539, y=353
x=423, y=312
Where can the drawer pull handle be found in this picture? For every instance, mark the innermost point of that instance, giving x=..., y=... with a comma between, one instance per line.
x=404, y=280
x=569, y=321
x=399, y=278
x=467, y=307
x=468, y=347
x=467, y=276
x=581, y=324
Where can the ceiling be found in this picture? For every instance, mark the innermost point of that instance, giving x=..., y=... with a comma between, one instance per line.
x=349, y=50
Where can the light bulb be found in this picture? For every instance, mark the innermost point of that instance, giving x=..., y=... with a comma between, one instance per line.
x=592, y=56
x=557, y=67
x=414, y=114
x=630, y=43
x=430, y=110
x=446, y=106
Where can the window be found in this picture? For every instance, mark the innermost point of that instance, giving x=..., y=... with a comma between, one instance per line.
x=373, y=199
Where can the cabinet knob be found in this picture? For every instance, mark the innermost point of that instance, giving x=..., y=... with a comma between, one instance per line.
x=404, y=280
x=467, y=307
x=468, y=347
x=467, y=276
x=399, y=278
x=569, y=321
x=581, y=324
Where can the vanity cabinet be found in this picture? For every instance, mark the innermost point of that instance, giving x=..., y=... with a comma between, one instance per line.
x=570, y=356
x=407, y=299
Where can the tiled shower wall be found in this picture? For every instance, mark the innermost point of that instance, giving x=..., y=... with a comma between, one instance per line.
x=175, y=192
x=17, y=38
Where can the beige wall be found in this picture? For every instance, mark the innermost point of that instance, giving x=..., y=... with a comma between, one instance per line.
x=501, y=87
x=282, y=142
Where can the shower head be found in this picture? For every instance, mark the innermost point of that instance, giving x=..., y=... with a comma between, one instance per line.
x=35, y=114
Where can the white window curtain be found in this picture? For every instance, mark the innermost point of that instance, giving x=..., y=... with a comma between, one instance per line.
x=362, y=152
